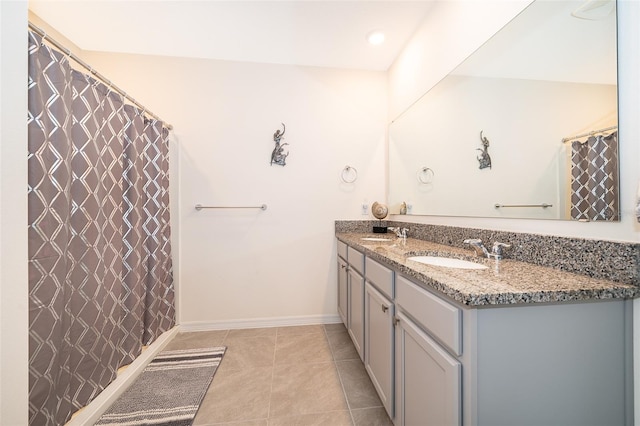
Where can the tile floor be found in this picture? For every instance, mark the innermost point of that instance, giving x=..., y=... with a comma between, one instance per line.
x=303, y=375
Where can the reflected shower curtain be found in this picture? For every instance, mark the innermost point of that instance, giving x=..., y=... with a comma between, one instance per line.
x=100, y=277
x=594, y=178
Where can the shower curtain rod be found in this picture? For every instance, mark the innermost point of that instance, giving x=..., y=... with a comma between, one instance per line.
x=588, y=134
x=95, y=73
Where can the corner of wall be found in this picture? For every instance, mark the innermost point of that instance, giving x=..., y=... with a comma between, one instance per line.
x=14, y=314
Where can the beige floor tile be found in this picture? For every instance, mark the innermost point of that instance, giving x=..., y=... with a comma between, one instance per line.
x=249, y=352
x=357, y=386
x=300, y=329
x=371, y=417
x=332, y=328
x=302, y=349
x=262, y=422
x=305, y=389
x=341, y=345
x=236, y=395
x=332, y=418
x=251, y=332
x=197, y=339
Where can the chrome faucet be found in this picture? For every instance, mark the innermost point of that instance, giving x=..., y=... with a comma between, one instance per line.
x=497, y=251
x=476, y=244
x=400, y=232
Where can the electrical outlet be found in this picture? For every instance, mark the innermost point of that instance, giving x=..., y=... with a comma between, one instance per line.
x=365, y=209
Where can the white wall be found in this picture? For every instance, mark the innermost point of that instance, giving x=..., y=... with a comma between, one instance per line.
x=14, y=350
x=241, y=266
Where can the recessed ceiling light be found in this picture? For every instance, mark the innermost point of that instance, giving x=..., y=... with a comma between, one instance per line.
x=375, y=37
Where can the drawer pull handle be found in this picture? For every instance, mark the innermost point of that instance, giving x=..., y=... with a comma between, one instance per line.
x=384, y=308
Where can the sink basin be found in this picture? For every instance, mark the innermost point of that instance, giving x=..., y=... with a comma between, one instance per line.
x=376, y=239
x=447, y=262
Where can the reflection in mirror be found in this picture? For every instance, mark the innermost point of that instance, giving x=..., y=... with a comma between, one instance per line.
x=539, y=102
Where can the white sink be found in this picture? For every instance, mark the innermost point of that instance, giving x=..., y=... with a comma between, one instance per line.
x=375, y=239
x=447, y=262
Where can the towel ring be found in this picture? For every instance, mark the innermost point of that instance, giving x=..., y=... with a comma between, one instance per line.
x=425, y=175
x=349, y=174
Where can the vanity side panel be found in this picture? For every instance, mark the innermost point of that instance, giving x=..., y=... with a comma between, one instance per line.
x=553, y=364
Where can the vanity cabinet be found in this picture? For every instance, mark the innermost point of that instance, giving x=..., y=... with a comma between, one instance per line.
x=428, y=372
x=428, y=388
x=343, y=289
x=351, y=293
x=379, y=331
x=355, y=285
x=537, y=364
x=356, y=310
x=435, y=361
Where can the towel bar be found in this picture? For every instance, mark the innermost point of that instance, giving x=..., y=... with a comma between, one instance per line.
x=200, y=207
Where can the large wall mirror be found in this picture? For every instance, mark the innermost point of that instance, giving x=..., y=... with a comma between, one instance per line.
x=526, y=127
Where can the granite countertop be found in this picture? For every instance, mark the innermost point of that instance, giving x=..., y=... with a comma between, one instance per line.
x=505, y=282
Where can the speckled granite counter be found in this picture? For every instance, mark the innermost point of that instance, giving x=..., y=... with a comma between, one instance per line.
x=504, y=283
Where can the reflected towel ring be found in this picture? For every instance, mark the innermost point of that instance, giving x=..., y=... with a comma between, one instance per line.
x=349, y=174
x=425, y=175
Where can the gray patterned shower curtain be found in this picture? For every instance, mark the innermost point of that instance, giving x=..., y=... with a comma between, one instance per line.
x=594, y=178
x=100, y=274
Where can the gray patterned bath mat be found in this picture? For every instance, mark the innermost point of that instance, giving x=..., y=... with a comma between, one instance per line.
x=168, y=391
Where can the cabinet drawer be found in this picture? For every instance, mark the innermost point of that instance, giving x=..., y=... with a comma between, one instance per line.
x=342, y=250
x=380, y=276
x=356, y=260
x=440, y=318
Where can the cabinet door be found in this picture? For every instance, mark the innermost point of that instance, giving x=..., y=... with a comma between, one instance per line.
x=343, y=292
x=427, y=379
x=379, y=344
x=356, y=310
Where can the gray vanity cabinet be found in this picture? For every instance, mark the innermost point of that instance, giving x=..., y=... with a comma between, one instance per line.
x=379, y=331
x=428, y=389
x=351, y=293
x=428, y=372
x=435, y=361
x=355, y=284
x=343, y=290
x=538, y=364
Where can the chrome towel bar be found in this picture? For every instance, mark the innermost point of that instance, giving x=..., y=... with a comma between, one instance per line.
x=543, y=205
x=200, y=207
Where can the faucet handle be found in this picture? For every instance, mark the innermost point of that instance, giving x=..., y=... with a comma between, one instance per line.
x=498, y=249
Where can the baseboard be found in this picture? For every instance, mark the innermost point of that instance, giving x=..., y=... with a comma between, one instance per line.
x=92, y=412
x=259, y=322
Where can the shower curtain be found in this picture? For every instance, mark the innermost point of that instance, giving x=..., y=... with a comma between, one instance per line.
x=100, y=274
x=594, y=178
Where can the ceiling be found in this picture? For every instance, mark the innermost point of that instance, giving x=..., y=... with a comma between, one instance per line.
x=323, y=33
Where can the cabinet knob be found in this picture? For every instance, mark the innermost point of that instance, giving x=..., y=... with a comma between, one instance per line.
x=384, y=308
x=396, y=320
